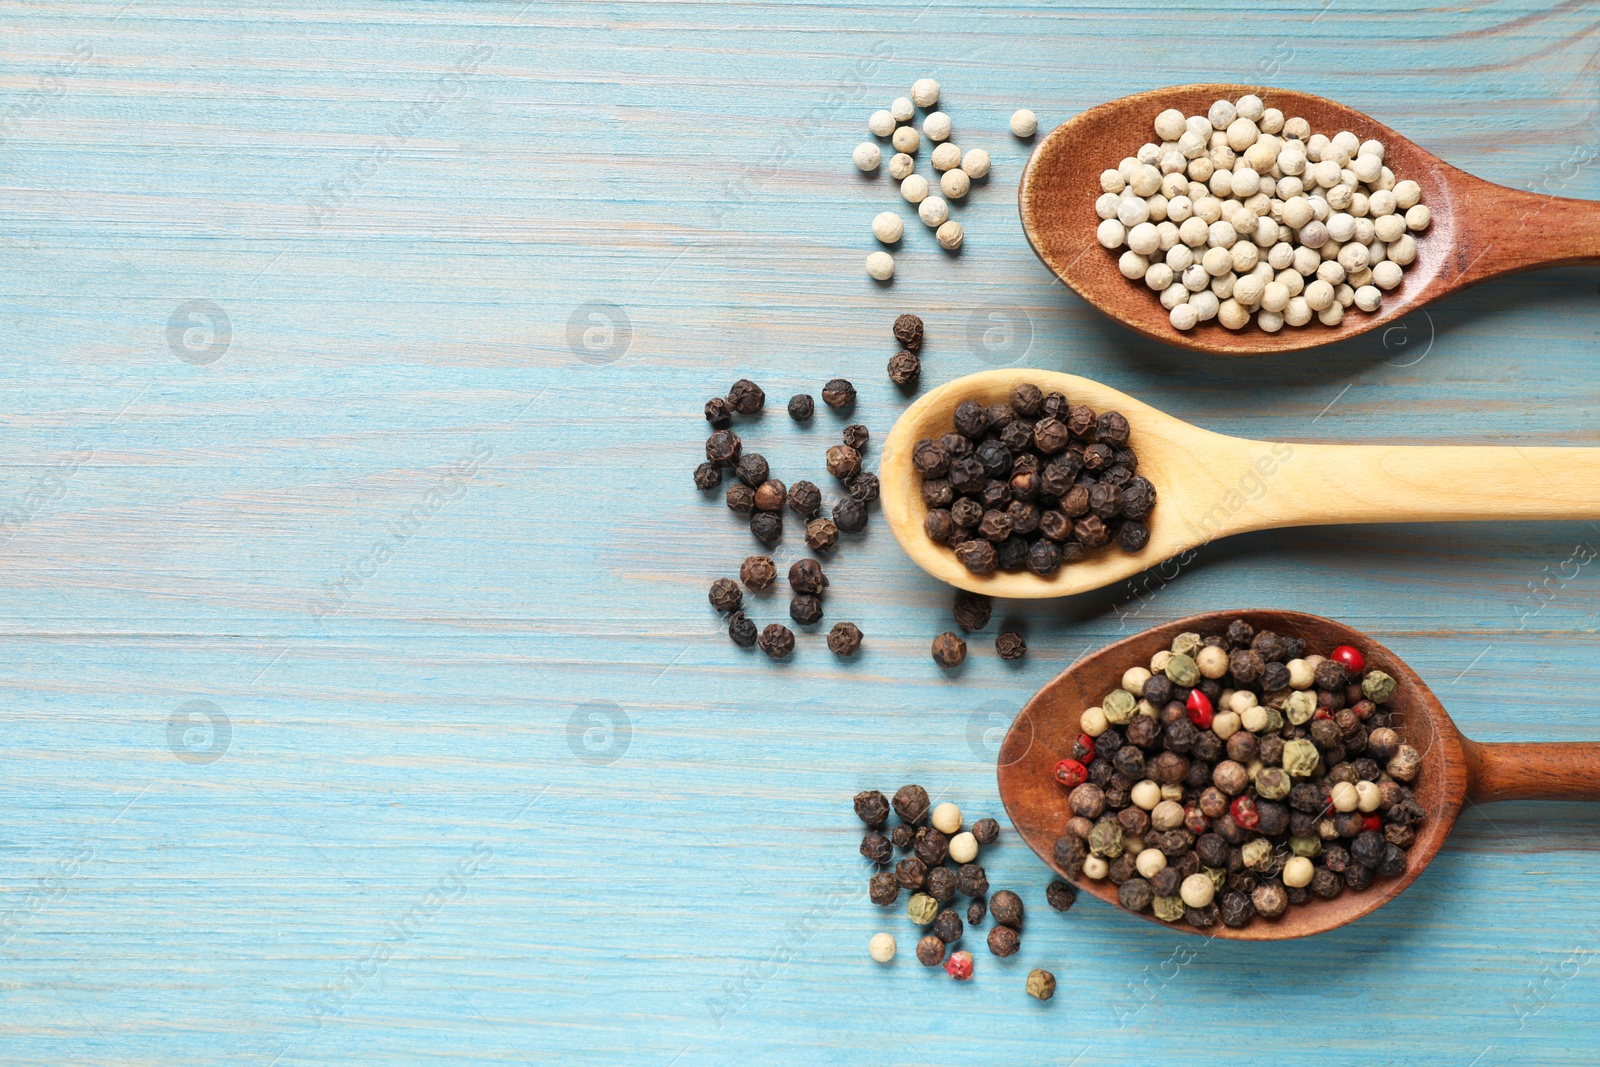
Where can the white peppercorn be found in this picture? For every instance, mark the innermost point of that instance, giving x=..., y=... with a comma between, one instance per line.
x=1024, y=123
x=936, y=126
x=1093, y=722
x=901, y=166
x=976, y=163
x=1197, y=890
x=1145, y=794
x=902, y=110
x=945, y=157
x=949, y=235
x=888, y=227
x=933, y=210
x=925, y=92
x=946, y=818
x=955, y=183
x=867, y=156
x=1297, y=872
x=881, y=122
x=906, y=139
x=1368, y=797
x=880, y=265
x=914, y=188
x=963, y=847
x=1095, y=867
x=881, y=947
x=1150, y=861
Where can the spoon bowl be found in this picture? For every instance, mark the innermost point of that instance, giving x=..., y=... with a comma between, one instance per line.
x=1479, y=230
x=1209, y=485
x=1454, y=770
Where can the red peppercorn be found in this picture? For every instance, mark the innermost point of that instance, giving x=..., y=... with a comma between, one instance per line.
x=1071, y=774
x=1243, y=810
x=1083, y=749
x=1351, y=657
x=959, y=966
x=1323, y=713
x=1372, y=822
x=1200, y=712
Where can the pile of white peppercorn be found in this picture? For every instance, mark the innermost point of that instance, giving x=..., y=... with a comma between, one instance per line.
x=1241, y=213
x=956, y=171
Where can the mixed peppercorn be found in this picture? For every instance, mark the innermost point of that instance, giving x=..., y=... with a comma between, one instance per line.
x=1033, y=482
x=1234, y=776
x=941, y=866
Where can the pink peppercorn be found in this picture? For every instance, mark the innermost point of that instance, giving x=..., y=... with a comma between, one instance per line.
x=1071, y=774
x=959, y=966
x=1351, y=657
x=1200, y=712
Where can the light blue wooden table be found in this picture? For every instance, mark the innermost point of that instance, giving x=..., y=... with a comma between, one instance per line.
x=361, y=698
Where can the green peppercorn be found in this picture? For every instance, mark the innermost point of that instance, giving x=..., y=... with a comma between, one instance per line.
x=1168, y=909
x=1106, y=839
x=1041, y=984
x=1300, y=758
x=1377, y=687
x=1307, y=845
x=1119, y=706
x=1186, y=644
x=1181, y=669
x=1300, y=706
x=1272, y=783
x=921, y=908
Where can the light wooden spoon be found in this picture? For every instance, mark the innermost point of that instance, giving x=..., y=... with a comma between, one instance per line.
x=1209, y=485
x=1454, y=769
x=1480, y=230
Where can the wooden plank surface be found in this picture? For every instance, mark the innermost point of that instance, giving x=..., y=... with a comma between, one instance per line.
x=362, y=701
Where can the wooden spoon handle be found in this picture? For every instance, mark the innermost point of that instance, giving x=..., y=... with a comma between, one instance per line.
x=1527, y=230
x=1312, y=485
x=1532, y=771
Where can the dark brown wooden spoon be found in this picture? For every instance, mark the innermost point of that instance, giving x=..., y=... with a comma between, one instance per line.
x=1454, y=768
x=1479, y=230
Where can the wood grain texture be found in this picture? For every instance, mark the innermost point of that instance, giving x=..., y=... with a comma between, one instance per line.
x=423, y=551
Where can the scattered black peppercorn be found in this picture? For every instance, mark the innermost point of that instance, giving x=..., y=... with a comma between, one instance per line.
x=805, y=499
x=707, y=476
x=930, y=951
x=718, y=412
x=767, y=527
x=770, y=495
x=864, y=487
x=776, y=640
x=806, y=610
x=986, y=831
x=872, y=808
x=746, y=397
x=741, y=498
x=908, y=331
x=822, y=534
x=1060, y=895
x=805, y=576
x=976, y=911
x=905, y=368
x=723, y=448
x=844, y=639
x=1006, y=907
x=741, y=630
x=752, y=469
x=949, y=650
x=877, y=847
x=801, y=407
x=883, y=889
x=911, y=873
x=947, y=926
x=1011, y=645
x=902, y=836
x=726, y=594
x=758, y=572
x=1003, y=940
x=972, y=611
x=844, y=462
x=839, y=394
x=856, y=436
x=850, y=515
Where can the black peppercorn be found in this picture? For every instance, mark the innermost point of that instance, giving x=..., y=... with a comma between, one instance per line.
x=1098, y=456
x=911, y=803
x=966, y=512
x=1112, y=428
x=1003, y=940
x=718, y=412
x=850, y=515
x=1132, y=536
x=757, y=572
x=741, y=630
x=1017, y=436
x=1011, y=645
x=883, y=889
x=801, y=407
x=723, y=448
x=844, y=639
x=776, y=640
x=905, y=367
x=949, y=650
x=941, y=884
x=976, y=911
x=1091, y=531
x=911, y=873
x=872, y=808
x=844, y=462
x=856, y=436
x=971, y=880
x=770, y=495
x=1326, y=884
x=979, y=557
x=1060, y=895
x=1135, y=894
x=1006, y=907
x=707, y=476
x=930, y=458
x=746, y=397
x=806, y=609
x=1235, y=909
x=877, y=847
x=864, y=487
x=1393, y=862
x=938, y=525
x=930, y=951
x=767, y=527
x=967, y=475
x=986, y=831
x=805, y=576
x=726, y=594
x=937, y=493
x=1044, y=557
x=1050, y=436
x=805, y=499
x=752, y=469
x=947, y=926
x=822, y=534
x=839, y=394
x=995, y=526
x=741, y=498
x=908, y=331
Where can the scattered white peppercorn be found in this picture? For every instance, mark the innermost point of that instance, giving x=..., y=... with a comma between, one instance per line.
x=925, y=92
x=881, y=123
x=881, y=947
x=902, y=110
x=867, y=156
x=954, y=183
x=933, y=211
x=914, y=188
x=1241, y=214
x=946, y=818
x=880, y=265
x=901, y=166
x=1024, y=123
x=976, y=163
x=936, y=126
x=906, y=139
x=950, y=235
x=963, y=847
x=888, y=227
x=946, y=157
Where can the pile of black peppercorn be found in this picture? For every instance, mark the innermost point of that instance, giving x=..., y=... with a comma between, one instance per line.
x=929, y=871
x=1320, y=783
x=1033, y=483
x=762, y=497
